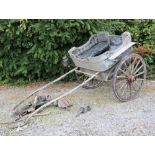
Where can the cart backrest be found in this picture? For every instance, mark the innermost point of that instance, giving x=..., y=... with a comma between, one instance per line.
x=95, y=39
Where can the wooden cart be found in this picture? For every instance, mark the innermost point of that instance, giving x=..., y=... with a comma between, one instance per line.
x=104, y=57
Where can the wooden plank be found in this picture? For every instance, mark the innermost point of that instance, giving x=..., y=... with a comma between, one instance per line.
x=119, y=51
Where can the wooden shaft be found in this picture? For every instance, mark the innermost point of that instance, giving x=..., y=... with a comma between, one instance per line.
x=56, y=99
x=41, y=88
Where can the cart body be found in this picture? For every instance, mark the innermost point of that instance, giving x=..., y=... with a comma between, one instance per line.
x=101, y=52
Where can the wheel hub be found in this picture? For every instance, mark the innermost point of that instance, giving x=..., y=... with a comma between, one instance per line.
x=131, y=79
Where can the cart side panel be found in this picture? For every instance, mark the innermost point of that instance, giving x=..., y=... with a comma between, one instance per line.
x=100, y=63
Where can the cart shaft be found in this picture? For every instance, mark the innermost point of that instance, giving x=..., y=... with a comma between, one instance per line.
x=65, y=94
x=45, y=86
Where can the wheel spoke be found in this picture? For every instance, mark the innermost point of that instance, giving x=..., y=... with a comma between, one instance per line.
x=120, y=82
x=137, y=84
x=123, y=71
x=121, y=77
x=127, y=91
x=125, y=64
x=132, y=85
x=122, y=86
x=124, y=89
x=139, y=79
x=130, y=67
x=133, y=64
x=138, y=69
x=137, y=65
x=139, y=73
x=130, y=90
x=133, y=90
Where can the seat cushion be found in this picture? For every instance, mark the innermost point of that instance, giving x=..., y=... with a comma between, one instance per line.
x=95, y=50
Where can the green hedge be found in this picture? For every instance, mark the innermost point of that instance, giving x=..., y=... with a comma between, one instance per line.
x=33, y=49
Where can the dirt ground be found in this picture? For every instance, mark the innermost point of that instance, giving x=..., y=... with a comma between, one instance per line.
x=107, y=117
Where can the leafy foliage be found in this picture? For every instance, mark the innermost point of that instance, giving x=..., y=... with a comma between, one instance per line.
x=143, y=32
x=33, y=49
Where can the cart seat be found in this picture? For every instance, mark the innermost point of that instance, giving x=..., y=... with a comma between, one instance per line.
x=97, y=45
x=95, y=50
